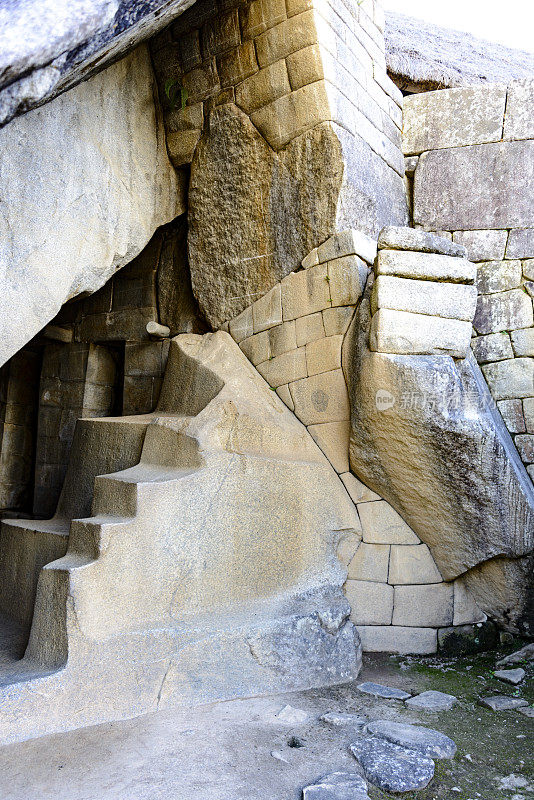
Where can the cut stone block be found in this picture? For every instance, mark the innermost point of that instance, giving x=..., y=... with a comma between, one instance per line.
x=392, y=639
x=321, y=398
x=410, y=165
x=382, y=525
x=498, y=276
x=263, y=88
x=379, y=690
x=358, y=491
x=466, y=611
x=309, y=328
x=475, y=188
x=285, y=396
x=237, y=65
x=502, y=702
x=398, y=238
x=392, y=768
x=528, y=268
x=487, y=245
x=525, y=447
x=370, y=563
x=432, y=701
x=425, y=741
x=285, y=368
x=258, y=16
x=410, y=334
x=528, y=412
x=371, y=603
x=466, y=115
x=282, y=338
x=333, y=439
x=492, y=347
x=512, y=414
x=425, y=266
x=428, y=606
x=523, y=342
x=293, y=114
x=311, y=260
x=450, y=300
x=337, y=320
x=181, y=146
x=324, y=354
x=520, y=243
x=411, y=564
x=305, y=66
x=256, y=348
x=519, y=120
x=504, y=311
x=285, y=38
x=346, y=276
x=267, y=311
x=305, y=292
x=242, y=326
x=347, y=243
x=510, y=379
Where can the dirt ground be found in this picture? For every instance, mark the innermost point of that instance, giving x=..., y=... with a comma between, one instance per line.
x=238, y=750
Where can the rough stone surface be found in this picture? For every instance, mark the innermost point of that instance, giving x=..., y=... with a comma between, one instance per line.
x=485, y=245
x=500, y=702
x=449, y=300
x=404, y=332
x=519, y=121
x=82, y=197
x=337, y=786
x=396, y=238
x=440, y=438
x=425, y=741
x=397, y=639
x=513, y=676
x=425, y=606
x=526, y=653
x=255, y=214
x=476, y=187
x=371, y=602
x=492, y=347
x=392, y=768
x=520, y=243
x=503, y=311
x=432, y=701
x=340, y=720
x=387, y=692
x=425, y=266
x=498, y=276
x=510, y=379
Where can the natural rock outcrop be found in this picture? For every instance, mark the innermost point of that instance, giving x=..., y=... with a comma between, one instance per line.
x=85, y=183
x=426, y=436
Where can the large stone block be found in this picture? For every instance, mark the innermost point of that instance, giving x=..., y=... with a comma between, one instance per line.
x=305, y=293
x=370, y=563
x=477, y=187
x=520, y=243
x=519, y=121
x=428, y=606
x=498, y=276
x=403, y=332
x=523, y=342
x=511, y=378
x=439, y=452
x=503, y=311
x=425, y=266
x=493, y=347
x=72, y=169
x=412, y=564
x=371, y=603
x=450, y=300
x=397, y=639
x=321, y=398
x=382, y=525
x=482, y=245
x=293, y=114
x=397, y=238
x=453, y=118
x=263, y=88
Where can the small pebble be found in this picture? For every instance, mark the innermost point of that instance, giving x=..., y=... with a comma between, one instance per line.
x=291, y=716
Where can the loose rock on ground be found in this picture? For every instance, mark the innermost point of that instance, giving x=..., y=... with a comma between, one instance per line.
x=425, y=741
x=392, y=768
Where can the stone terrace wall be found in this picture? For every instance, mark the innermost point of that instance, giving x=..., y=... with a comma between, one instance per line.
x=472, y=151
x=292, y=130
x=294, y=337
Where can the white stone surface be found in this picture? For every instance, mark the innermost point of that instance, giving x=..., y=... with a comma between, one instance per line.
x=425, y=266
x=484, y=245
x=382, y=525
x=81, y=194
x=450, y=300
x=412, y=564
x=429, y=606
x=519, y=121
x=405, y=333
x=370, y=563
x=346, y=243
x=371, y=603
x=394, y=639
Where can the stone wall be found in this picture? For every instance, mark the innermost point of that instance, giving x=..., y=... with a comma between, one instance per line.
x=294, y=337
x=472, y=151
x=292, y=130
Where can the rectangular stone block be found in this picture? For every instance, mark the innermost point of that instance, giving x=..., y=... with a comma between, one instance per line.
x=346, y=243
x=492, y=347
x=382, y=525
x=347, y=276
x=425, y=266
x=201, y=82
x=512, y=378
x=519, y=122
x=282, y=338
x=309, y=328
x=370, y=563
x=371, y=603
x=520, y=243
x=337, y=320
x=504, y=311
x=285, y=368
x=358, y=491
x=321, y=398
x=237, y=65
x=412, y=564
x=488, y=245
x=324, y=355
x=498, y=276
x=525, y=447
x=291, y=115
x=285, y=38
x=396, y=639
x=450, y=300
x=429, y=606
x=528, y=413
x=523, y=342
x=220, y=34
x=512, y=414
x=333, y=439
x=260, y=15
x=305, y=292
x=256, y=348
x=189, y=118
x=466, y=115
x=189, y=45
x=474, y=188
x=405, y=333
x=181, y=146
x=262, y=88
x=242, y=326
x=394, y=237
x=305, y=66
x=528, y=269
x=267, y=311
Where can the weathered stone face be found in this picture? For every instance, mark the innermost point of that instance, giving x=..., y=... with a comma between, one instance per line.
x=254, y=214
x=81, y=194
